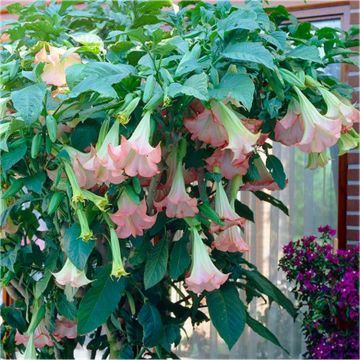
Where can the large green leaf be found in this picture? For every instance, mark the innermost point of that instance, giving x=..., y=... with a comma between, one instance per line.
x=249, y=51
x=195, y=85
x=35, y=182
x=273, y=201
x=156, y=263
x=150, y=320
x=15, y=154
x=237, y=86
x=100, y=301
x=227, y=313
x=239, y=19
x=304, y=52
x=276, y=170
x=28, y=102
x=76, y=249
x=244, y=211
x=263, y=331
x=99, y=77
x=179, y=259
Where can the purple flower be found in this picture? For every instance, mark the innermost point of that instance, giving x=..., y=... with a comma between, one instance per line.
x=327, y=229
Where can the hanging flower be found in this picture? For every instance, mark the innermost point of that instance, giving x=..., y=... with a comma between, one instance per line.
x=178, y=203
x=71, y=275
x=320, y=132
x=131, y=218
x=224, y=160
x=117, y=269
x=86, y=234
x=77, y=194
x=65, y=329
x=136, y=156
x=56, y=63
x=290, y=129
x=265, y=181
x=241, y=140
x=204, y=274
x=41, y=337
x=339, y=108
x=230, y=240
x=348, y=140
x=316, y=160
x=225, y=211
x=206, y=126
x=100, y=202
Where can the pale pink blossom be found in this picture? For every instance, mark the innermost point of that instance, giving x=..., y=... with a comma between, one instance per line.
x=71, y=275
x=136, y=156
x=241, y=140
x=349, y=140
x=290, y=129
x=320, y=132
x=230, y=240
x=65, y=329
x=41, y=337
x=39, y=242
x=224, y=160
x=204, y=274
x=178, y=203
x=131, y=218
x=56, y=63
x=206, y=126
x=225, y=211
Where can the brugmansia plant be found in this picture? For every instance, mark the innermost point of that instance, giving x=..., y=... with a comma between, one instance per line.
x=128, y=129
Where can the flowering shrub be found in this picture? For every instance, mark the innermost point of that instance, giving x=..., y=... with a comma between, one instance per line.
x=327, y=291
x=127, y=131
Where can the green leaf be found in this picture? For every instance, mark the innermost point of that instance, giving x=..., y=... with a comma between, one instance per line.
x=15, y=154
x=195, y=85
x=304, y=52
x=249, y=51
x=28, y=102
x=276, y=170
x=237, y=86
x=227, y=313
x=263, y=331
x=150, y=320
x=76, y=249
x=14, y=318
x=8, y=258
x=35, y=182
x=179, y=258
x=244, y=211
x=100, y=301
x=171, y=336
x=189, y=61
x=99, y=77
x=273, y=201
x=66, y=308
x=239, y=19
x=156, y=263
x=210, y=213
x=268, y=288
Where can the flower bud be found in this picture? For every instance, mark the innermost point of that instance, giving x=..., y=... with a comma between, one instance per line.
x=117, y=269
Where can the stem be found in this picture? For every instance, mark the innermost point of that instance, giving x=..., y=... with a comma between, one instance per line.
x=151, y=192
x=202, y=185
x=19, y=288
x=113, y=344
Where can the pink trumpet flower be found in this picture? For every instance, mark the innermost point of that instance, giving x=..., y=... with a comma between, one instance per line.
x=339, y=108
x=225, y=211
x=41, y=337
x=348, y=140
x=290, y=129
x=56, y=63
x=131, y=218
x=241, y=140
x=266, y=181
x=320, y=132
x=136, y=156
x=204, y=274
x=178, y=203
x=71, y=275
x=65, y=329
x=230, y=240
x=207, y=127
x=224, y=160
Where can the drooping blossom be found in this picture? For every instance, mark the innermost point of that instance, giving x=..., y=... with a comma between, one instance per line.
x=224, y=160
x=225, y=211
x=178, y=203
x=86, y=234
x=349, y=140
x=206, y=126
x=65, y=329
x=290, y=129
x=230, y=240
x=339, y=108
x=241, y=140
x=71, y=275
x=265, y=181
x=135, y=155
x=320, y=132
x=39, y=242
x=41, y=337
x=56, y=63
x=316, y=160
x=131, y=218
x=117, y=269
x=204, y=274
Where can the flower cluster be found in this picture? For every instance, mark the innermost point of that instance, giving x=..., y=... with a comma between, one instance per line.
x=326, y=287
